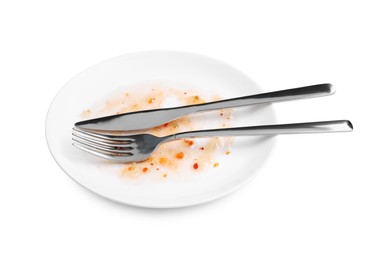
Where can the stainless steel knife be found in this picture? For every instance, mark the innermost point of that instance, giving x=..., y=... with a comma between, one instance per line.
x=146, y=119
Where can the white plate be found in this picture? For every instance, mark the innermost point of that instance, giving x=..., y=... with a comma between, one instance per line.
x=248, y=153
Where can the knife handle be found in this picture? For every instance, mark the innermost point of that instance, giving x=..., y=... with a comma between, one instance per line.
x=313, y=91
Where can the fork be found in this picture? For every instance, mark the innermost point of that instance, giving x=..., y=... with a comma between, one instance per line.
x=138, y=147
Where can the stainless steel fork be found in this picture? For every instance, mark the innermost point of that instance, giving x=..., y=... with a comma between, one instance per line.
x=138, y=147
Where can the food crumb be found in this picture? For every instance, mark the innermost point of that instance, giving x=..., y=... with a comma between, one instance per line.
x=195, y=166
x=202, y=148
x=189, y=142
x=216, y=165
x=145, y=169
x=180, y=155
x=196, y=100
x=227, y=152
x=165, y=175
x=86, y=113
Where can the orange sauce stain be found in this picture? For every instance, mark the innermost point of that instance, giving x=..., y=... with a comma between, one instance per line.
x=163, y=161
x=180, y=155
x=172, y=156
x=189, y=142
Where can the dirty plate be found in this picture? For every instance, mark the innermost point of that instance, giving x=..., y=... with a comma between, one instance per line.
x=168, y=69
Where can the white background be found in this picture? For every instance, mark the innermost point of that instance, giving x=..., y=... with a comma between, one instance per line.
x=318, y=197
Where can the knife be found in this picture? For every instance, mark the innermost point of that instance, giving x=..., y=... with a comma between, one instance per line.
x=146, y=119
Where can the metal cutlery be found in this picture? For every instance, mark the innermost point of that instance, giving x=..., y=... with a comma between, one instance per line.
x=138, y=147
x=151, y=118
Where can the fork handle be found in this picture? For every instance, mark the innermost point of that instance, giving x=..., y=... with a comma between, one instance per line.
x=313, y=91
x=298, y=128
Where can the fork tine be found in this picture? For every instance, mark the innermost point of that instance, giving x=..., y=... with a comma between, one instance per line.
x=93, y=152
x=103, y=150
x=110, y=149
x=102, y=142
x=104, y=136
x=107, y=156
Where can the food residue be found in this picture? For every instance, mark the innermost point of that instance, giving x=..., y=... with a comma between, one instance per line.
x=180, y=155
x=175, y=156
x=195, y=166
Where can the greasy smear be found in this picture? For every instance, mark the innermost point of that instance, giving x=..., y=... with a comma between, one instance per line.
x=170, y=158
